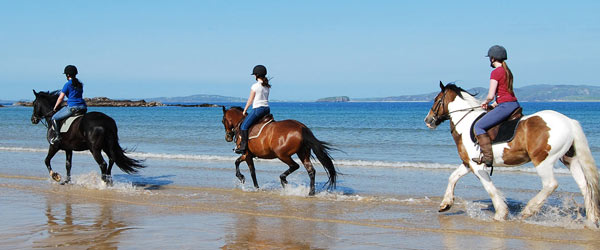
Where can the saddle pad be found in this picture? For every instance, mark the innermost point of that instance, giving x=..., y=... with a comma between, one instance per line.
x=505, y=134
x=66, y=124
x=257, y=129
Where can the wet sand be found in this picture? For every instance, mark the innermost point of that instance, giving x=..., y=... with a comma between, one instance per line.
x=40, y=214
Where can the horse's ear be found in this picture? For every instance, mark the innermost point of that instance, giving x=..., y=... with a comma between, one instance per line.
x=34, y=93
x=442, y=86
x=223, y=106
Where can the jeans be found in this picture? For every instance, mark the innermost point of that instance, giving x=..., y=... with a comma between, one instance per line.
x=497, y=115
x=254, y=115
x=65, y=112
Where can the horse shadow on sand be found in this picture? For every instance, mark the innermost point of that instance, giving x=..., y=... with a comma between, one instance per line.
x=146, y=182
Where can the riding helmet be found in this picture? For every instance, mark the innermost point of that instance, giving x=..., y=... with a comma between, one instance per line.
x=497, y=52
x=259, y=70
x=70, y=70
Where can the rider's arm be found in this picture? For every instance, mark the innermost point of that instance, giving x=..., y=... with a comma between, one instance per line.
x=491, y=93
x=250, y=100
x=59, y=101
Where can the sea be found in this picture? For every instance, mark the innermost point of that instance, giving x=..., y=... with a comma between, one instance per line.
x=386, y=156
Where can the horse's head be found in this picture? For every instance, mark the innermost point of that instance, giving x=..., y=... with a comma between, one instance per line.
x=439, y=111
x=43, y=105
x=231, y=120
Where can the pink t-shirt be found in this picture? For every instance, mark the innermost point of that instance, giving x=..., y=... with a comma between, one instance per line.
x=502, y=93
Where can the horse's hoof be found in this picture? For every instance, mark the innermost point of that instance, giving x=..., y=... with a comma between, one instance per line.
x=500, y=217
x=311, y=193
x=444, y=208
x=55, y=176
x=67, y=181
x=242, y=179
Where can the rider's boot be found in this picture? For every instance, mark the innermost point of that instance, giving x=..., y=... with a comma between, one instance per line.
x=485, y=144
x=244, y=143
x=56, y=133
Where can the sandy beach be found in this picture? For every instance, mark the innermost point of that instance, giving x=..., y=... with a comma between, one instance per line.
x=41, y=214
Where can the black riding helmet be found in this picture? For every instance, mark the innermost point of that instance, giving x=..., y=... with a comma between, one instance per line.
x=497, y=52
x=70, y=70
x=259, y=70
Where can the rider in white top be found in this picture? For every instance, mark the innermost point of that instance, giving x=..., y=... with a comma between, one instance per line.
x=259, y=98
x=261, y=95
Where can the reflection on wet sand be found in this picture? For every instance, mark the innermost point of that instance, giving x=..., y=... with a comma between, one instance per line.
x=88, y=225
x=254, y=232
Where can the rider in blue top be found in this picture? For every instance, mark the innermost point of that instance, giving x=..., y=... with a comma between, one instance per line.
x=73, y=90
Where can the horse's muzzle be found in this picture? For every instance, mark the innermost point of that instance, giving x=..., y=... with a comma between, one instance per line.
x=35, y=120
x=430, y=122
x=229, y=137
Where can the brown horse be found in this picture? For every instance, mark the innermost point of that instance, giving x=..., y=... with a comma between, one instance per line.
x=542, y=138
x=281, y=139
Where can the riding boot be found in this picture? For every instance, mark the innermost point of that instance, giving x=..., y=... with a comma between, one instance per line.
x=485, y=144
x=244, y=143
x=56, y=133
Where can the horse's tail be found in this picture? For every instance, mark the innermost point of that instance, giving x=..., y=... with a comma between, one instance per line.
x=584, y=159
x=321, y=150
x=117, y=154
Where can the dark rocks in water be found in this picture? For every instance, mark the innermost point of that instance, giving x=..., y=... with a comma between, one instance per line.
x=203, y=105
x=335, y=99
x=106, y=102
x=1, y=106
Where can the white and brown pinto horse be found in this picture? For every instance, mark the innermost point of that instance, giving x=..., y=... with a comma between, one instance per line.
x=542, y=138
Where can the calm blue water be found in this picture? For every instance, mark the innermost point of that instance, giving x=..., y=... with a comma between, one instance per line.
x=374, y=133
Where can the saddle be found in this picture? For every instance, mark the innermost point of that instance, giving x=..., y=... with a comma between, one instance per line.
x=504, y=131
x=66, y=123
x=257, y=128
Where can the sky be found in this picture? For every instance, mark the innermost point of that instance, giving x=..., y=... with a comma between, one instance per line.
x=312, y=49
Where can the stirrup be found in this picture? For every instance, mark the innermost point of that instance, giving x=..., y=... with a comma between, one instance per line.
x=239, y=151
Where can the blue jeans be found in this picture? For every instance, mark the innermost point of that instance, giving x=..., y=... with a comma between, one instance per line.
x=497, y=115
x=253, y=116
x=65, y=112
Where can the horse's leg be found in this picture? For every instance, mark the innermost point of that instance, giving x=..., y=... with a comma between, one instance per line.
x=101, y=163
x=293, y=166
x=239, y=174
x=545, y=170
x=68, y=164
x=109, y=170
x=496, y=196
x=448, y=200
x=52, y=150
x=250, y=164
x=305, y=158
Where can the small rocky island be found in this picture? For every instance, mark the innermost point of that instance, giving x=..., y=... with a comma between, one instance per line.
x=335, y=99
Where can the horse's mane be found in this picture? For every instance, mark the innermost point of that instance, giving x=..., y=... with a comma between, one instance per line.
x=237, y=108
x=49, y=94
x=458, y=90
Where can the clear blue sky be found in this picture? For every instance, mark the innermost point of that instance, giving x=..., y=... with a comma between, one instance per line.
x=313, y=49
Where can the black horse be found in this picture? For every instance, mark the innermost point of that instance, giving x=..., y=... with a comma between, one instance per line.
x=93, y=131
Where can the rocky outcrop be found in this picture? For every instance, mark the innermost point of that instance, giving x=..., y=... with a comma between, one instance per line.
x=107, y=102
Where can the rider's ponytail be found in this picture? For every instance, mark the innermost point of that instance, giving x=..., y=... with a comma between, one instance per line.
x=76, y=83
x=509, y=77
x=265, y=81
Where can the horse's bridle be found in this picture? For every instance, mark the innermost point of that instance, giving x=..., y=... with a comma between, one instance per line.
x=43, y=117
x=445, y=117
x=439, y=119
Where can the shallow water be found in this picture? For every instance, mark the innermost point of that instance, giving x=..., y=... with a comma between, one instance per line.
x=189, y=197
